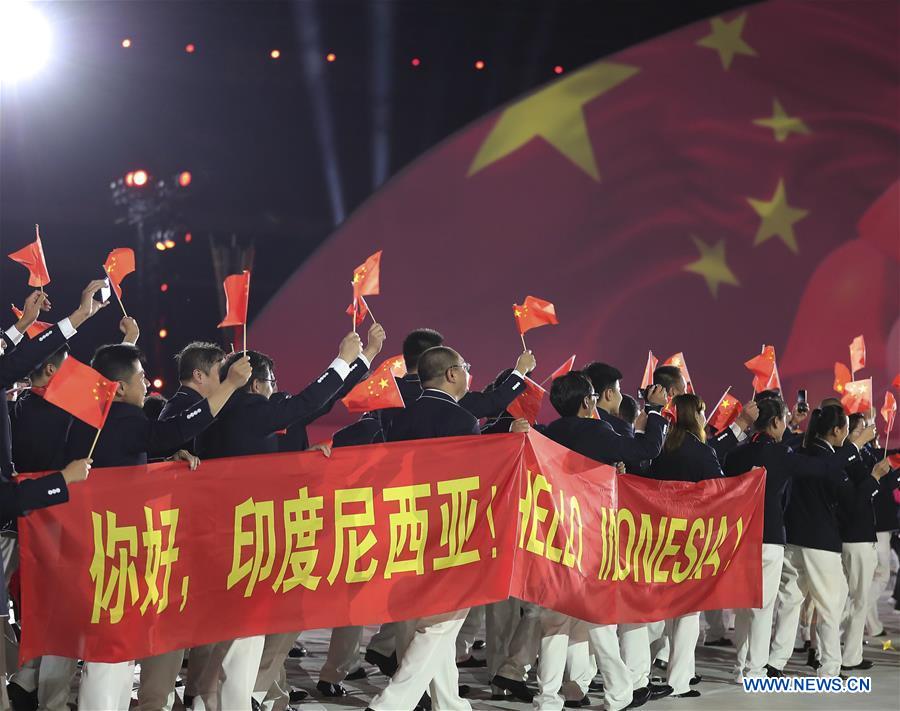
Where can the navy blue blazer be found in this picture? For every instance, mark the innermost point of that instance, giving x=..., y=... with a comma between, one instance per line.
x=597, y=440
x=434, y=414
x=692, y=461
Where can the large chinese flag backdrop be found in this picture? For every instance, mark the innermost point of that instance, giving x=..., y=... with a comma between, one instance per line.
x=702, y=192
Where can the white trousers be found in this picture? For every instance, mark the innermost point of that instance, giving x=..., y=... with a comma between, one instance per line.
x=567, y=641
x=513, y=636
x=428, y=662
x=229, y=675
x=859, y=561
x=753, y=626
x=465, y=640
x=55, y=682
x=343, y=654
x=105, y=687
x=880, y=581
x=634, y=643
x=821, y=573
x=683, y=633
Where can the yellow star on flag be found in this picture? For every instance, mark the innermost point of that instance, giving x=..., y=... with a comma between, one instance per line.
x=555, y=114
x=781, y=124
x=778, y=218
x=712, y=266
x=383, y=383
x=518, y=313
x=726, y=39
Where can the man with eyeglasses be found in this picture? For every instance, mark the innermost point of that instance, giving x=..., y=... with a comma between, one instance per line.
x=429, y=660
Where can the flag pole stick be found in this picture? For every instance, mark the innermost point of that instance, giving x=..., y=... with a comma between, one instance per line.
x=118, y=298
x=96, y=437
x=522, y=336
x=245, y=337
x=37, y=235
x=369, y=308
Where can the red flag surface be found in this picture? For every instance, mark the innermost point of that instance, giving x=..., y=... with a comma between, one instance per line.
x=652, y=362
x=359, y=309
x=857, y=354
x=896, y=381
x=35, y=329
x=378, y=391
x=367, y=276
x=118, y=265
x=726, y=412
x=765, y=370
x=32, y=258
x=889, y=409
x=785, y=167
x=158, y=558
x=237, y=298
x=857, y=396
x=82, y=392
x=842, y=376
x=528, y=404
x=534, y=312
x=563, y=369
x=678, y=361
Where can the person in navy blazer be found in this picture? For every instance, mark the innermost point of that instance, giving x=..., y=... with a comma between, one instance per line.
x=686, y=456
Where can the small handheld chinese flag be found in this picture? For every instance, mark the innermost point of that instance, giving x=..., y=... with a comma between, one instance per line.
x=842, y=376
x=237, y=298
x=367, y=276
x=32, y=258
x=562, y=370
x=118, y=265
x=857, y=355
x=765, y=370
x=359, y=309
x=726, y=412
x=534, y=312
x=678, y=361
x=378, y=391
x=528, y=404
x=35, y=329
x=896, y=381
x=889, y=409
x=652, y=362
x=857, y=396
x=82, y=392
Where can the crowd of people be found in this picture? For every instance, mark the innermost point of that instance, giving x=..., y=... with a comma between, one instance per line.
x=829, y=513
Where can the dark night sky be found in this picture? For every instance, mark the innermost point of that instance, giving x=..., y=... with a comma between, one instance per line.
x=246, y=126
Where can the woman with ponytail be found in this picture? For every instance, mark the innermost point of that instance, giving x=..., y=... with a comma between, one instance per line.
x=753, y=627
x=685, y=457
x=812, y=556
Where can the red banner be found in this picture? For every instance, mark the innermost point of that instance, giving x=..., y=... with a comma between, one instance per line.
x=158, y=558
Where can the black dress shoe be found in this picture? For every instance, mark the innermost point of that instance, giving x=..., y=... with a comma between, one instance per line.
x=357, y=674
x=21, y=700
x=472, y=663
x=464, y=690
x=660, y=664
x=297, y=695
x=517, y=688
x=331, y=690
x=659, y=691
x=692, y=694
x=721, y=642
x=578, y=703
x=773, y=673
x=596, y=685
x=386, y=665
x=696, y=680
x=811, y=660
x=479, y=644
x=639, y=697
x=298, y=652
x=864, y=664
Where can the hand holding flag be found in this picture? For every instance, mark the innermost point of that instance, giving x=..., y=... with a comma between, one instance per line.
x=32, y=258
x=36, y=328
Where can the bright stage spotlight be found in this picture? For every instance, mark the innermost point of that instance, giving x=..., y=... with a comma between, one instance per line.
x=24, y=40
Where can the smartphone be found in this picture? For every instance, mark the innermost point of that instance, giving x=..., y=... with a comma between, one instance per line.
x=802, y=404
x=105, y=292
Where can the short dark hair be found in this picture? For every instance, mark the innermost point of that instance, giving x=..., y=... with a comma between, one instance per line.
x=667, y=376
x=153, y=405
x=628, y=409
x=55, y=359
x=602, y=376
x=198, y=355
x=260, y=363
x=569, y=391
x=434, y=362
x=417, y=342
x=765, y=395
x=116, y=361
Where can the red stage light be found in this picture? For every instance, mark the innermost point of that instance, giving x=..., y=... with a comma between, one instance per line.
x=275, y=53
x=330, y=57
x=479, y=65
x=416, y=61
x=162, y=334
x=164, y=287
x=184, y=178
x=140, y=178
x=157, y=383
x=126, y=43
x=190, y=48
x=558, y=69
x=188, y=237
